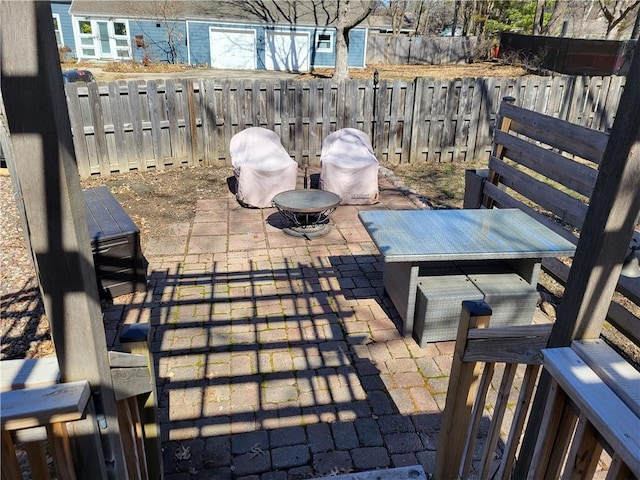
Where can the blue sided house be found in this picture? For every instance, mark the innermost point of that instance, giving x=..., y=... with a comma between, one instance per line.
x=295, y=35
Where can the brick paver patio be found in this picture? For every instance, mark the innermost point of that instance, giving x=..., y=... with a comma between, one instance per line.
x=279, y=357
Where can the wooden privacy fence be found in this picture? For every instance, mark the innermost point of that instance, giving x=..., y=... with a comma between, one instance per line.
x=136, y=125
x=403, y=50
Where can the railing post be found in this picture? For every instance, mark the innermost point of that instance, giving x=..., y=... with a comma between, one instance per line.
x=136, y=340
x=460, y=393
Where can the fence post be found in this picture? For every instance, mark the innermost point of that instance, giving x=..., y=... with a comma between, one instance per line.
x=460, y=393
x=381, y=105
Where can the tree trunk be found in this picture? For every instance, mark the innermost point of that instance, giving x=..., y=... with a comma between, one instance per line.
x=456, y=13
x=635, y=34
x=342, y=55
x=349, y=15
x=539, y=17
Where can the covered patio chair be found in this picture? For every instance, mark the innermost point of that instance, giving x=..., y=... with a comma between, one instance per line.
x=349, y=168
x=261, y=166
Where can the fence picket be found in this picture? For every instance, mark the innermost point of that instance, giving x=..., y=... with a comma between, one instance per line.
x=326, y=108
x=227, y=116
x=173, y=113
x=368, y=113
x=314, y=151
x=298, y=125
x=135, y=149
x=77, y=129
x=118, y=126
x=137, y=126
x=474, y=119
x=207, y=133
x=381, y=146
x=189, y=110
x=154, y=117
x=98, y=121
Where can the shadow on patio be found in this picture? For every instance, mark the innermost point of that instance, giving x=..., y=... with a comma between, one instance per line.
x=283, y=360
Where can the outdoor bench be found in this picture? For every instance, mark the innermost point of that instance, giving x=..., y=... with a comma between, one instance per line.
x=115, y=244
x=547, y=168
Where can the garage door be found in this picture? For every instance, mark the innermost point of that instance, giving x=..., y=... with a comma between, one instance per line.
x=287, y=51
x=233, y=48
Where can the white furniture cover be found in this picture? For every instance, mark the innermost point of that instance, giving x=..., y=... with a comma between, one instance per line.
x=349, y=168
x=262, y=167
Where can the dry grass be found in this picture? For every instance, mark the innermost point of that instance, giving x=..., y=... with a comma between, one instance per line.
x=441, y=184
x=409, y=72
x=385, y=71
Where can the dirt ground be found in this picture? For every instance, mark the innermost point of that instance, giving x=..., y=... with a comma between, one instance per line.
x=127, y=70
x=156, y=199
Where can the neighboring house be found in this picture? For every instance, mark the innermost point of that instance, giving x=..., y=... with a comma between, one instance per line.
x=219, y=34
x=62, y=24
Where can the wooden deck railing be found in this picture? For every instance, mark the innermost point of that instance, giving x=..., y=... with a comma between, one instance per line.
x=477, y=352
x=595, y=389
x=594, y=404
x=36, y=410
x=38, y=415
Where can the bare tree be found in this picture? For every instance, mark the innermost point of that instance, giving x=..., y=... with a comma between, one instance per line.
x=396, y=11
x=350, y=14
x=615, y=12
x=635, y=32
x=457, y=5
x=539, y=17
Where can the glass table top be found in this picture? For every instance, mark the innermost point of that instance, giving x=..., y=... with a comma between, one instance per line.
x=472, y=234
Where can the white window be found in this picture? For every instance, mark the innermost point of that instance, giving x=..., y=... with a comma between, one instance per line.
x=324, y=42
x=58, y=29
x=87, y=43
x=121, y=36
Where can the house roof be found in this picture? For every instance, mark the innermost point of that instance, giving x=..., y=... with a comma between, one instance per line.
x=294, y=12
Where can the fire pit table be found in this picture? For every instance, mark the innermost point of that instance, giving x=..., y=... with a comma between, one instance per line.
x=308, y=211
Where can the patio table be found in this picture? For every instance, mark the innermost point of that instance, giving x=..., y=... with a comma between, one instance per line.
x=413, y=240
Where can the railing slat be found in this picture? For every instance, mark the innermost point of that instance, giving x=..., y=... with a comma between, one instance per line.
x=61, y=451
x=519, y=418
x=10, y=466
x=37, y=459
x=497, y=418
x=476, y=418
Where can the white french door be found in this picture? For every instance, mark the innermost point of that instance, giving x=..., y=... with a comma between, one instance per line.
x=103, y=39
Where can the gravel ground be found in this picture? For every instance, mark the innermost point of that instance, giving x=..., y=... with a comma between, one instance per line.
x=24, y=330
